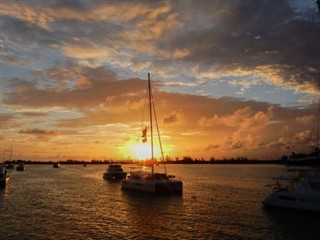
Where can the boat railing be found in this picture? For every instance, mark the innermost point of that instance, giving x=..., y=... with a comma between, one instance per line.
x=284, y=183
x=114, y=165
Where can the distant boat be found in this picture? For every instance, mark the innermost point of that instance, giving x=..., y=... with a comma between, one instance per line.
x=4, y=177
x=146, y=180
x=298, y=189
x=304, y=161
x=56, y=165
x=114, y=172
x=9, y=166
x=20, y=167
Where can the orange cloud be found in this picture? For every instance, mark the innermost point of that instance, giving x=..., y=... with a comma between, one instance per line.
x=173, y=117
x=81, y=52
x=242, y=119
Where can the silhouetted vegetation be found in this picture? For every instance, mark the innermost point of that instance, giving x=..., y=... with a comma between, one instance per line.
x=314, y=153
x=68, y=161
x=212, y=160
x=168, y=160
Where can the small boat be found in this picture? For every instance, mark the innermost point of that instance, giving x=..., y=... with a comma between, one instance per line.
x=151, y=181
x=4, y=177
x=114, y=172
x=298, y=189
x=20, y=167
x=56, y=165
x=9, y=166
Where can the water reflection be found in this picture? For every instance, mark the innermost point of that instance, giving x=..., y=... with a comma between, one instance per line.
x=219, y=202
x=295, y=225
x=4, y=192
x=152, y=216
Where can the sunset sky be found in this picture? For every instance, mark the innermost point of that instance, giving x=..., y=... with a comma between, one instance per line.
x=230, y=78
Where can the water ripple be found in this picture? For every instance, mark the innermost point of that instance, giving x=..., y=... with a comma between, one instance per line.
x=72, y=202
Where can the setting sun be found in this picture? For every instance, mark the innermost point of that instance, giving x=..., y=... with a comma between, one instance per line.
x=142, y=151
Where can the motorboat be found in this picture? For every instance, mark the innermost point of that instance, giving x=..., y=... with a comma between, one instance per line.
x=114, y=172
x=146, y=180
x=298, y=188
x=56, y=165
x=20, y=167
x=4, y=177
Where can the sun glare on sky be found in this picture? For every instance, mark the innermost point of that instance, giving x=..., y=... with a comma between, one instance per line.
x=142, y=151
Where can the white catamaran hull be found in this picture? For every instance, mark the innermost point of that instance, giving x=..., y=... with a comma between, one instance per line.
x=158, y=187
x=293, y=200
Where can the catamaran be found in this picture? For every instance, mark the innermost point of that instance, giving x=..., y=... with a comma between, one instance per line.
x=145, y=180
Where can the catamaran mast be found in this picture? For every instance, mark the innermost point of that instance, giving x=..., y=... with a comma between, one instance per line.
x=151, y=130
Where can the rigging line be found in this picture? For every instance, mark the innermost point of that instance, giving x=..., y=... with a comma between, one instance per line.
x=143, y=112
x=151, y=128
x=159, y=138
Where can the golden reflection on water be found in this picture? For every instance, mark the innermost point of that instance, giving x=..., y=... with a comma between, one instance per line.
x=4, y=192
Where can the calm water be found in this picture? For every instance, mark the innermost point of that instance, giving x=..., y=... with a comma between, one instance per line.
x=75, y=202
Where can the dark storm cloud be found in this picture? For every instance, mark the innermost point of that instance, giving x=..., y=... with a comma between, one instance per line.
x=249, y=34
x=39, y=132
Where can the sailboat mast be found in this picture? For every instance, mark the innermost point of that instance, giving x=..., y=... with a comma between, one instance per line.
x=150, y=112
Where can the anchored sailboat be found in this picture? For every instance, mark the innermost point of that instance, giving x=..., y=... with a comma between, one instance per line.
x=151, y=181
x=4, y=177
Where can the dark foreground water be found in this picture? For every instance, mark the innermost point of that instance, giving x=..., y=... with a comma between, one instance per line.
x=219, y=202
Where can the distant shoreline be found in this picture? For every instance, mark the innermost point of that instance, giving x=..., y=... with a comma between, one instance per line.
x=80, y=162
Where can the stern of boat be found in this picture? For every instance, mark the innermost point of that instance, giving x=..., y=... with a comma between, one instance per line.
x=170, y=187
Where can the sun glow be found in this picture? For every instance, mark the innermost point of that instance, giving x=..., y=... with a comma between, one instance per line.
x=142, y=151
